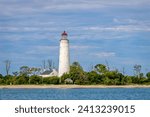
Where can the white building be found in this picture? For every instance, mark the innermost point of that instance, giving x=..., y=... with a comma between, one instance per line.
x=64, y=57
x=49, y=73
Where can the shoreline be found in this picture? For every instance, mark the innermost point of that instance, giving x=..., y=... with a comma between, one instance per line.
x=71, y=86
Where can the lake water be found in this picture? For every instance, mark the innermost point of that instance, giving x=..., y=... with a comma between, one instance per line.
x=76, y=94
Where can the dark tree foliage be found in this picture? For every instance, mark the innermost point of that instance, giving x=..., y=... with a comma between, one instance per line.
x=94, y=78
x=1, y=79
x=22, y=79
x=34, y=79
x=148, y=76
x=51, y=80
x=64, y=77
x=77, y=75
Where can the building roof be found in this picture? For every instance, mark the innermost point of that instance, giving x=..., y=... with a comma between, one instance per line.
x=64, y=33
x=46, y=72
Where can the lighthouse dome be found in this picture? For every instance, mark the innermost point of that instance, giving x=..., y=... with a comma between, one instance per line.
x=64, y=33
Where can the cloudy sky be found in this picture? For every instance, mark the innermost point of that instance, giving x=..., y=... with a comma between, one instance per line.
x=116, y=31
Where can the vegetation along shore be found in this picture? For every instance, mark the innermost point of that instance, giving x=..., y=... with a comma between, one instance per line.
x=100, y=76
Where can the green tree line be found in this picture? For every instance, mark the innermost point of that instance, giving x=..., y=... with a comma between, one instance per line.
x=100, y=75
x=104, y=76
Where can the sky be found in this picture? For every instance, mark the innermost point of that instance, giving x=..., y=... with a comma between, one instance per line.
x=112, y=32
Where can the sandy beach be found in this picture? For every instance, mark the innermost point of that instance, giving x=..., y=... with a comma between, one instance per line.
x=74, y=86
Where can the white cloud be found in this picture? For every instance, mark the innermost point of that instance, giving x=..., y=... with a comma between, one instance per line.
x=120, y=28
x=104, y=54
x=128, y=21
x=129, y=61
x=42, y=50
x=37, y=6
x=80, y=47
x=26, y=29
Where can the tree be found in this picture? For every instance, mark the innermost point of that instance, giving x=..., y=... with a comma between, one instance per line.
x=107, y=65
x=8, y=79
x=49, y=64
x=34, y=79
x=100, y=68
x=22, y=79
x=137, y=69
x=44, y=64
x=77, y=75
x=107, y=81
x=77, y=65
x=94, y=78
x=1, y=76
x=25, y=70
x=128, y=79
x=34, y=70
x=51, y=80
x=123, y=71
x=1, y=79
x=7, y=66
x=15, y=73
x=148, y=75
x=64, y=77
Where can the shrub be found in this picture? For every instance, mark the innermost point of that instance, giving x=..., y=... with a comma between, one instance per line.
x=51, y=80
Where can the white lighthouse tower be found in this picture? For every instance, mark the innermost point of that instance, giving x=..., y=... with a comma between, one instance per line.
x=64, y=58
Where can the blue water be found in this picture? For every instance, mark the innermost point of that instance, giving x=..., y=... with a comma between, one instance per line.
x=76, y=94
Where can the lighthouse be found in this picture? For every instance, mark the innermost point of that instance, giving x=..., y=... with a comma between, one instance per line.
x=64, y=57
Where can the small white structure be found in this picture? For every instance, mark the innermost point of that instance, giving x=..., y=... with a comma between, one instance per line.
x=49, y=73
x=64, y=57
x=68, y=81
